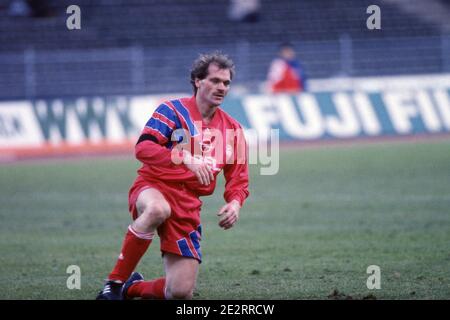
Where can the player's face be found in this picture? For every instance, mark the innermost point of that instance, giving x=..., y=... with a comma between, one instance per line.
x=288, y=53
x=215, y=86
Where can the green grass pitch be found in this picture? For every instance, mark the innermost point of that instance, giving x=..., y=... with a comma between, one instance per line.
x=311, y=229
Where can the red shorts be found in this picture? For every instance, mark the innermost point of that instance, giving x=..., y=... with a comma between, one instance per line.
x=180, y=234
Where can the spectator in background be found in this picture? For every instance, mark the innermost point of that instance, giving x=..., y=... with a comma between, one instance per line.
x=30, y=8
x=286, y=73
x=19, y=8
x=244, y=10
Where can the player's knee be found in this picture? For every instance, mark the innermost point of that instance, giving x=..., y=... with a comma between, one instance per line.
x=155, y=213
x=180, y=292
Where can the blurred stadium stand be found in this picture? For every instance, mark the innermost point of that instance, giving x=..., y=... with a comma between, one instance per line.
x=147, y=46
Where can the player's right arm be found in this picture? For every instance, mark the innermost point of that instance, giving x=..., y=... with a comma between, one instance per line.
x=151, y=149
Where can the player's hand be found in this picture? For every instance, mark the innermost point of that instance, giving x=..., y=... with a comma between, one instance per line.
x=229, y=214
x=199, y=167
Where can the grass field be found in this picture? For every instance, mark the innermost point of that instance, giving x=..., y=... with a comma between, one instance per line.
x=313, y=228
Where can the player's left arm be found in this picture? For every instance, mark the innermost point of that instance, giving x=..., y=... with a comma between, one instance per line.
x=229, y=214
x=236, y=186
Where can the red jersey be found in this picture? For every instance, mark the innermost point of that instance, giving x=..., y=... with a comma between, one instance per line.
x=178, y=124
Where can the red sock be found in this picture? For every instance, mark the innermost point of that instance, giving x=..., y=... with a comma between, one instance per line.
x=148, y=289
x=133, y=248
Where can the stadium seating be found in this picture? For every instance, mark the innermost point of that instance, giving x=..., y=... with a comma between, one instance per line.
x=146, y=46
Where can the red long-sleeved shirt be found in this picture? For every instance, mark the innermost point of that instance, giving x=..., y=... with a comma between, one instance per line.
x=178, y=123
